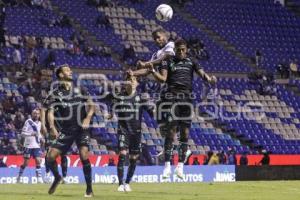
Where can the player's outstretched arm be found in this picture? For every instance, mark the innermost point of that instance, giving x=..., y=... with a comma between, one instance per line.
x=139, y=72
x=206, y=77
x=158, y=61
x=159, y=76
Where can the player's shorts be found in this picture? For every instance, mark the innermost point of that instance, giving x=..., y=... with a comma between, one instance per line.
x=176, y=111
x=129, y=141
x=66, y=140
x=32, y=152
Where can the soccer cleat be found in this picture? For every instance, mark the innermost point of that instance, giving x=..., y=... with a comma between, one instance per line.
x=167, y=172
x=47, y=178
x=127, y=188
x=54, y=185
x=18, y=179
x=40, y=180
x=187, y=155
x=179, y=171
x=64, y=180
x=121, y=188
x=89, y=194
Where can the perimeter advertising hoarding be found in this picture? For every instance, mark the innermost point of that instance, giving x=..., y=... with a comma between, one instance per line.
x=144, y=174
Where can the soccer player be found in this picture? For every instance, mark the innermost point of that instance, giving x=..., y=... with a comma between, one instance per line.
x=166, y=50
x=177, y=72
x=129, y=107
x=49, y=139
x=69, y=116
x=32, y=143
x=160, y=37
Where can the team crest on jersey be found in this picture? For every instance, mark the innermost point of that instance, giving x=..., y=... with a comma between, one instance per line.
x=137, y=99
x=76, y=90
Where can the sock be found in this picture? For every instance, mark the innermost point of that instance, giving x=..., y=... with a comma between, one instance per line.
x=131, y=169
x=120, y=168
x=21, y=170
x=64, y=165
x=168, y=147
x=87, y=170
x=47, y=166
x=180, y=164
x=53, y=167
x=167, y=164
x=38, y=171
x=182, y=151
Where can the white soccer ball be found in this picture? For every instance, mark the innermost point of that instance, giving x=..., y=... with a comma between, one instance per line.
x=164, y=12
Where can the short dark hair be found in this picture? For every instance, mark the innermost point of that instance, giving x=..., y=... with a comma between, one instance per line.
x=159, y=30
x=60, y=69
x=179, y=42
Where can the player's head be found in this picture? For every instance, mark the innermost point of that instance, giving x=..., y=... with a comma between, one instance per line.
x=35, y=114
x=160, y=37
x=64, y=73
x=181, y=48
x=131, y=83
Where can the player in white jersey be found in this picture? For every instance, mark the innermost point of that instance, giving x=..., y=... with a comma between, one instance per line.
x=160, y=37
x=31, y=133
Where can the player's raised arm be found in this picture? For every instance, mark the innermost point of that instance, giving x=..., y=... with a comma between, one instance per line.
x=159, y=76
x=155, y=62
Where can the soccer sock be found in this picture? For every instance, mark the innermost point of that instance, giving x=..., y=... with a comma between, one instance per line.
x=53, y=167
x=168, y=146
x=87, y=170
x=47, y=166
x=38, y=171
x=183, y=149
x=64, y=165
x=21, y=170
x=131, y=169
x=120, y=168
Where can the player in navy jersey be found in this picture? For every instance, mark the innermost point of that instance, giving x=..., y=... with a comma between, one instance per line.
x=128, y=106
x=70, y=112
x=177, y=72
x=49, y=139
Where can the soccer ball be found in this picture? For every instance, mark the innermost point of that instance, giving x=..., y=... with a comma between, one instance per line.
x=164, y=12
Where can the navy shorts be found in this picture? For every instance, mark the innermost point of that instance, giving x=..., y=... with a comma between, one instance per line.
x=32, y=152
x=129, y=141
x=66, y=140
x=174, y=111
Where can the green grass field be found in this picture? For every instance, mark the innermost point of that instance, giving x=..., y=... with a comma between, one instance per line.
x=258, y=190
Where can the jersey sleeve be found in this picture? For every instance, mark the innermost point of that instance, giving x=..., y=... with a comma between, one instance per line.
x=169, y=49
x=164, y=65
x=26, y=129
x=196, y=65
x=85, y=93
x=49, y=100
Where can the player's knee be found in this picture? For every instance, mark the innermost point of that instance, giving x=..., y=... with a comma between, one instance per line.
x=133, y=157
x=123, y=152
x=84, y=154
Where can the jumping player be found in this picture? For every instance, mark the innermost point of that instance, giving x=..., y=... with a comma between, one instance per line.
x=177, y=72
x=129, y=107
